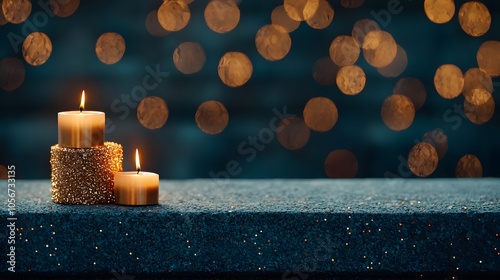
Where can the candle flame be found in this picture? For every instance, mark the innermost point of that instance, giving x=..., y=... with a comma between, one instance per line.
x=137, y=161
x=82, y=103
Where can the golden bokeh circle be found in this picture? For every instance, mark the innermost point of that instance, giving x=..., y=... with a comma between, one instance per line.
x=273, y=42
x=320, y=114
x=469, y=166
x=211, y=117
x=3, y=20
x=351, y=79
x=322, y=17
x=439, y=140
x=12, y=73
x=152, y=112
x=325, y=71
x=173, y=15
x=153, y=26
x=479, y=114
x=341, y=164
x=16, y=11
x=398, y=112
x=235, y=69
x=449, y=81
x=37, y=48
x=379, y=48
x=488, y=57
x=351, y=4
x=397, y=66
x=363, y=27
x=4, y=173
x=280, y=17
x=64, y=8
x=222, y=16
x=110, y=47
x=477, y=84
x=293, y=133
x=189, y=57
x=474, y=18
x=412, y=88
x=439, y=11
x=478, y=96
x=423, y=159
x=300, y=10
x=344, y=50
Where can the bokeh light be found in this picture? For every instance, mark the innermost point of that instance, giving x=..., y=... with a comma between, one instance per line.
x=64, y=8
x=379, y=48
x=423, y=159
x=351, y=79
x=322, y=17
x=449, y=81
x=152, y=112
x=439, y=140
x=12, y=73
x=153, y=26
x=469, y=166
x=37, y=48
x=222, y=16
x=397, y=66
x=341, y=164
x=3, y=20
x=280, y=17
x=363, y=27
x=16, y=11
x=110, y=47
x=325, y=71
x=398, y=112
x=3, y=172
x=477, y=84
x=235, y=69
x=351, y=4
x=412, y=88
x=320, y=114
x=212, y=117
x=474, y=18
x=439, y=11
x=273, y=42
x=479, y=114
x=189, y=57
x=174, y=15
x=293, y=133
x=300, y=10
x=344, y=50
x=488, y=58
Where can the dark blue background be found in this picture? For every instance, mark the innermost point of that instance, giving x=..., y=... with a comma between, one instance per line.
x=28, y=115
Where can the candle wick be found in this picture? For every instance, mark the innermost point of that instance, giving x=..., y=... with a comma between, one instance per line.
x=81, y=110
x=138, y=170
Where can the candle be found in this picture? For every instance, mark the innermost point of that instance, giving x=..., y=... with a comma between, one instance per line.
x=136, y=187
x=81, y=129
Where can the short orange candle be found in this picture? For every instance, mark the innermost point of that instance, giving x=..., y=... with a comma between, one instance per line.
x=136, y=187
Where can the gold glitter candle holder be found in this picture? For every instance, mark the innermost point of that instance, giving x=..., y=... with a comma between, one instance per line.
x=85, y=175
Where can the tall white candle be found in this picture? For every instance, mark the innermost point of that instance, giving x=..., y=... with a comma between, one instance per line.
x=81, y=129
x=136, y=187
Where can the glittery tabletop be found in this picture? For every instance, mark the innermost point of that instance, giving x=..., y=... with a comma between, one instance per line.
x=446, y=226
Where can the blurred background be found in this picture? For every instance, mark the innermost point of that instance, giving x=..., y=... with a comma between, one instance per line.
x=179, y=148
